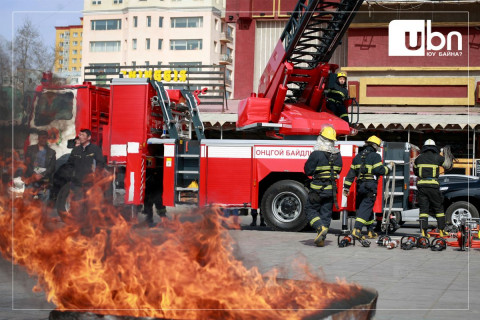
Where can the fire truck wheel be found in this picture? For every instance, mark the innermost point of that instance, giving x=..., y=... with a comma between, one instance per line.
x=63, y=201
x=458, y=210
x=283, y=206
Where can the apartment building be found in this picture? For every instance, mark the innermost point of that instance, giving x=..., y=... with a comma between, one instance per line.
x=68, y=51
x=156, y=32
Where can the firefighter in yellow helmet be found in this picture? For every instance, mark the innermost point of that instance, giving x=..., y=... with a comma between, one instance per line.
x=426, y=168
x=323, y=165
x=336, y=96
x=366, y=168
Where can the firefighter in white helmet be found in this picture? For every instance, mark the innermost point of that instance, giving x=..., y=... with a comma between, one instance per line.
x=336, y=96
x=366, y=168
x=324, y=164
x=427, y=168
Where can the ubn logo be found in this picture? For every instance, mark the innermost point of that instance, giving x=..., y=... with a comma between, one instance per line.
x=411, y=38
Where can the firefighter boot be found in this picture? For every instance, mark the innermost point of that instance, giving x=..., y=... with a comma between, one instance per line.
x=372, y=234
x=443, y=233
x=357, y=234
x=322, y=234
x=425, y=233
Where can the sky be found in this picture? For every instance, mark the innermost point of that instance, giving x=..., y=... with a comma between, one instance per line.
x=44, y=14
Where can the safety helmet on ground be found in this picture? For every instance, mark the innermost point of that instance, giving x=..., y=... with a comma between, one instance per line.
x=342, y=74
x=376, y=140
x=329, y=133
x=429, y=142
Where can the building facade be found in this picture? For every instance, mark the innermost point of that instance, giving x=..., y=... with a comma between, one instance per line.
x=156, y=32
x=68, y=51
x=428, y=90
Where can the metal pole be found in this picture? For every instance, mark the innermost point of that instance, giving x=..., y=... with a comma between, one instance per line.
x=408, y=138
x=221, y=131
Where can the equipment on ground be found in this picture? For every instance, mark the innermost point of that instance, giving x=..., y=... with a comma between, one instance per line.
x=345, y=240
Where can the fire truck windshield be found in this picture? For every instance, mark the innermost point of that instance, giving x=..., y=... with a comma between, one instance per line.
x=53, y=106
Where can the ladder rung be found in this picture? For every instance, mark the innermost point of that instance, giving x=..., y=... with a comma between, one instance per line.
x=186, y=189
x=188, y=155
x=394, y=209
x=188, y=171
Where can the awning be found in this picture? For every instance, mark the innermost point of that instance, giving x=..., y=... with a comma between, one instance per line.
x=218, y=118
x=419, y=121
x=383, y=121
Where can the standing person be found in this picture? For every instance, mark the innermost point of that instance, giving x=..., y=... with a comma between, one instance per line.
x=336, y=96
x=85, y=160
x=426, y=168
x=323, y=164
x=153, y=195
x=254, y=213
x=40, y=166
x=366, y=168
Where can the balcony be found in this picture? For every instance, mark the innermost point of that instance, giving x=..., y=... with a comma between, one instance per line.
x=225, y=59
x=225, y=37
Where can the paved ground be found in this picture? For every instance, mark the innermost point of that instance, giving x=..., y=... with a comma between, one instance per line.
x=415, y=284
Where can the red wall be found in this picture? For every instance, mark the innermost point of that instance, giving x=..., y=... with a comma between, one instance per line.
x=368, y=47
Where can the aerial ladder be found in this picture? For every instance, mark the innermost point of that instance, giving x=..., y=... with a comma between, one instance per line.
x=290, y=100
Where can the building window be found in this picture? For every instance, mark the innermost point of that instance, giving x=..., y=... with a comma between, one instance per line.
x=74, y=68
x=60, y=44
x=74, y=51
x=134, y=63
x=194, y=44
x=160, y=22
x=117, y=1
x=134, y=44
x=61, y=35
x=186, y=22
x=135, y=21
x=75, y=34
x=149, y=21
x=74, y=60
x=113, y=24
x=104, y=46
x=75, y=43
x=147, y=43
x=147, y=63
x=60, y=61
x=160, y=41
x=159, y=63
x=97, y=2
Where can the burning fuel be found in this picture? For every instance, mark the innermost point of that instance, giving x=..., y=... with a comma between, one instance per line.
x=180, y=269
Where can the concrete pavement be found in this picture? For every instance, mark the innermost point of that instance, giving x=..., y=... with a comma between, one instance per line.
x=415, y=284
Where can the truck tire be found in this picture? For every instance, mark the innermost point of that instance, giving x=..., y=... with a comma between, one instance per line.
x=458, y=209
x=62, y=204
x=283, y=206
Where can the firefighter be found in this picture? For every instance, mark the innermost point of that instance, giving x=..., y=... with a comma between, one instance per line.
x=426, y=168
x=366, y=167
x=323, y=164
x=336, y=96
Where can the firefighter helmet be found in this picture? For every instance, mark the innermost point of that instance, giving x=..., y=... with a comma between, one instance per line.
x=376, y=140
x=429, y=142
x=342, y=74
x=329, y=133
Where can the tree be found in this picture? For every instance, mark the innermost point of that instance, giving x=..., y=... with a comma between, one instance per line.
x=5, y=61
x=30, y=56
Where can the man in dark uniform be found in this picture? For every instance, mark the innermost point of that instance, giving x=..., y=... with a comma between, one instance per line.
x=366, y=168
x=426, y=168
x=323, y=164
x=85, y=160
x=336, y=96
x=40, y=162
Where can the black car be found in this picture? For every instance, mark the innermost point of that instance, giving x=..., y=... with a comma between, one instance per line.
x=461, y=197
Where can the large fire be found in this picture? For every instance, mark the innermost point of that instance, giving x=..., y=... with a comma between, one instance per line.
x=180, y=269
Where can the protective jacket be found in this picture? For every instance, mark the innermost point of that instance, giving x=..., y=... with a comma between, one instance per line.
x=84, y=161
x=366, y=166
x=337, y=93
x=324, y=168
x=427, y=167
x=49, y=162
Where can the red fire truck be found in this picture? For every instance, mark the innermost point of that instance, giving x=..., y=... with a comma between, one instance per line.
x=148, y=127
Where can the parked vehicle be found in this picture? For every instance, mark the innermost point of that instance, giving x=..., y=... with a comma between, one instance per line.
x=461, y=199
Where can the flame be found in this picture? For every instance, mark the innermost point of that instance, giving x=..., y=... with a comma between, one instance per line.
x=183, y=268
